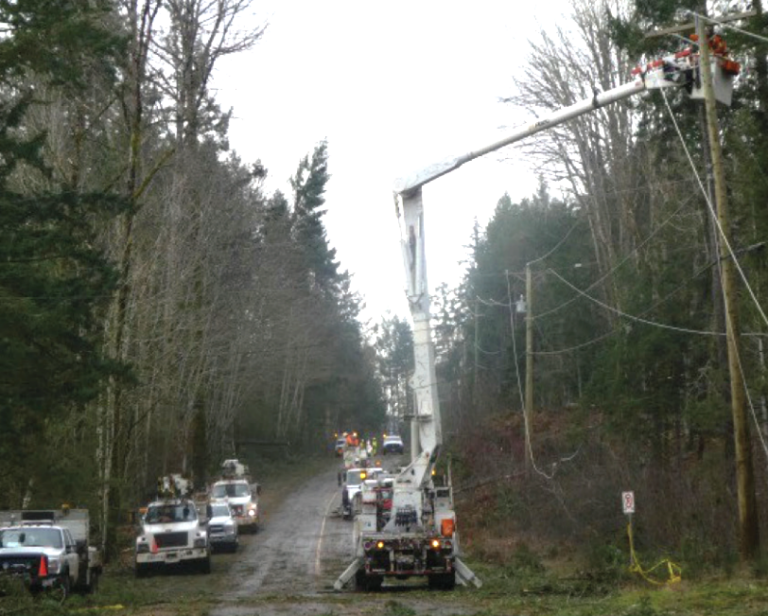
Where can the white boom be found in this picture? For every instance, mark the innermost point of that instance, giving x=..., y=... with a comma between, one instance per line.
x=416, y=506
x=679, y=69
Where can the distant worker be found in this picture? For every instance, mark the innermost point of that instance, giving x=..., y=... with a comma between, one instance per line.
x=374, y=446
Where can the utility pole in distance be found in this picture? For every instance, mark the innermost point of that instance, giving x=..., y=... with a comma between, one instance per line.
x=528, y=410
x=749, y=534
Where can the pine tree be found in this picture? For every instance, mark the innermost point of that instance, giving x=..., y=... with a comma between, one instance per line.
x=54, y=280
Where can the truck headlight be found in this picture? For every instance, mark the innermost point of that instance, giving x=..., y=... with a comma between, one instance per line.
x=142, y=546
x=201, y=542
x=54, y=565
x=252, y=511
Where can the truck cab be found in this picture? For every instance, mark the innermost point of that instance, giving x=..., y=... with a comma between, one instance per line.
x=172, y=533
x=242, y=499
x=353, y=484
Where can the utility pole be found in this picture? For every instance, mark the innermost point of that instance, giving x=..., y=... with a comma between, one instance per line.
x=749, y=536
x=475, y=393
x=528, y=410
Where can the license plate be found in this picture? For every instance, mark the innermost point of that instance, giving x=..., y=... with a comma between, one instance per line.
x=172, y=556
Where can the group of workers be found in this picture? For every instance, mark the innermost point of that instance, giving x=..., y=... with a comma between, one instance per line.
x=368, y=447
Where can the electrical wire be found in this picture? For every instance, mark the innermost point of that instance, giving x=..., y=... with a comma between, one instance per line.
x=631, y=317
x=715, y=219
x=730, y=27
x=526, y=411
x=557, y=246
x=580, y=346
x=722, y=236
x=646, y=311
x=620, y=263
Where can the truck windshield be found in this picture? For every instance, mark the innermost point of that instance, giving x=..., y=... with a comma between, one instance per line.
x=220, y=510
x=170, y=513
x=230, y=489
x=353, y=478
x=31, y=537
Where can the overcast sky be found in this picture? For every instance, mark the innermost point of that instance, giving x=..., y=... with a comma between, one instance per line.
x=394, y=87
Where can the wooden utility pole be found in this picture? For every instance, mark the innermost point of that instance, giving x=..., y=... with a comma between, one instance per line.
x=528, y=410
x=749, y=536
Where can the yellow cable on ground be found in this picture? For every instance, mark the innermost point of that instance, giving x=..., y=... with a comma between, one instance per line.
x=674, y=570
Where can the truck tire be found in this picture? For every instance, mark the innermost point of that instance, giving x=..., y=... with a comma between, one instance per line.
x=88, y=581
x=64, y=587
x=141, y=570
x=93, y=580
x=443, y=581
x=205, y=565
x=367, y=583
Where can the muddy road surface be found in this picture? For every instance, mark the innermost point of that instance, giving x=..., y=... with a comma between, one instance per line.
x=290, y=565
x=302, y=546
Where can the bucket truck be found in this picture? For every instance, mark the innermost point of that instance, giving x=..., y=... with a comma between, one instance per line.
x=418, y=535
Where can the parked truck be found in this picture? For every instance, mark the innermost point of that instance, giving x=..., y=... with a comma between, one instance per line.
x=171, y=533
x=242, y=498
x=418, y=535
x=49, y=550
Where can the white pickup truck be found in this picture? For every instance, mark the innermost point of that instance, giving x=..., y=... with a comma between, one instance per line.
x=172, y=533
x=48, y=550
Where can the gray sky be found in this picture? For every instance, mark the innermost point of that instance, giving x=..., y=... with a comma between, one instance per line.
x=393, y=86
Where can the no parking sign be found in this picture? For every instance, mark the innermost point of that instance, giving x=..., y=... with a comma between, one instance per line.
x=628, y=502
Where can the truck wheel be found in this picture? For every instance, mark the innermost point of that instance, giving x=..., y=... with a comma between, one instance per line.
x=443, y=581
x=205, y=565
x=141, y=570
x=367, y=583
x=64, y=588
x=88, y=581
x=93, y=580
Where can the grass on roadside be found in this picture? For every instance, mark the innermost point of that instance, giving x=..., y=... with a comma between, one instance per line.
x=537, y=592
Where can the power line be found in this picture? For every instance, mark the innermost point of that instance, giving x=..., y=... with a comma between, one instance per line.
x=733, y=256
x=730, y=27
x=619, y=264
x=631, y=317
x=557, y=246
x=720, y=229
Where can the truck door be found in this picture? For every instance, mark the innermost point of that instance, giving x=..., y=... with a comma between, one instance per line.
x=71, y=556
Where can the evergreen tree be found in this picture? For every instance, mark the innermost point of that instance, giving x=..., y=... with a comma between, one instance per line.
x=308, y=200
x=54, y=281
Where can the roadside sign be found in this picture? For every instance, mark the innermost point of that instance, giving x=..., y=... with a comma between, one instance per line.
x=628, y=502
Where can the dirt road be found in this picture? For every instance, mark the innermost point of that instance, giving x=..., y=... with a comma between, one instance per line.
x=302, y=546
x=290, y=566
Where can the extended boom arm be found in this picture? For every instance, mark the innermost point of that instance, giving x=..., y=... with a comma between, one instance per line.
x=675, y=70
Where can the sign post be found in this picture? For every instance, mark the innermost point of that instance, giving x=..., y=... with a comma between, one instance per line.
x=628, y=507
x=628, y=503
